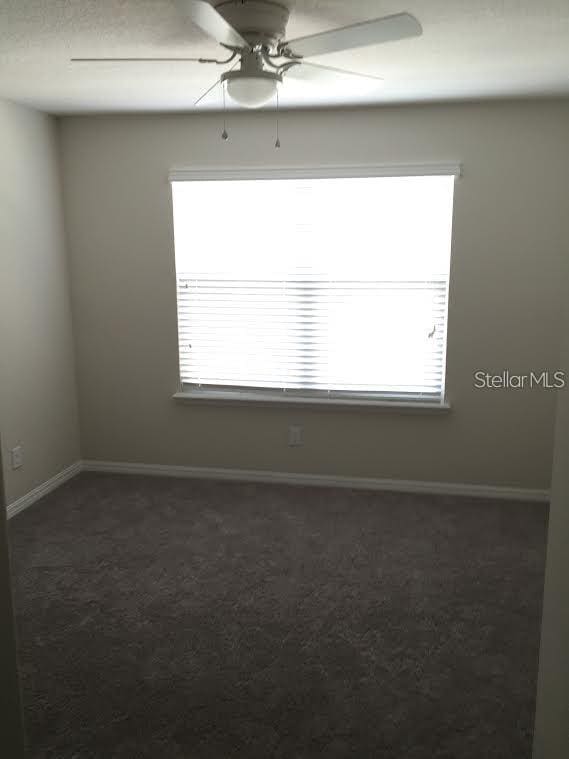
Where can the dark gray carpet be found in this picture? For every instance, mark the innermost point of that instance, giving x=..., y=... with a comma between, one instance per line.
x=169, y=618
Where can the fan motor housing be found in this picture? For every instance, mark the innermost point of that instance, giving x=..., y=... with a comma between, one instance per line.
x=257, y=21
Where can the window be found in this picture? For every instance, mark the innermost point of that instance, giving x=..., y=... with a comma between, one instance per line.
x=322, y=288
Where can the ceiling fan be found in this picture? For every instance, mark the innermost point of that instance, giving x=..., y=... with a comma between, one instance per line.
x=253, y=33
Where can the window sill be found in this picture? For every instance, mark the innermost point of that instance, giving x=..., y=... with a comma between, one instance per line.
x=225, y=398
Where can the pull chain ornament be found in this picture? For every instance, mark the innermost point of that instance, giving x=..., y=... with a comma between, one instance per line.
x=224, y=134
x=278, y=142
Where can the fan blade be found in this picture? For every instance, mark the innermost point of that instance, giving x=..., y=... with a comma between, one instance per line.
x=137, y=60
x=313, y=72
x=386, y=29
x=212, y=23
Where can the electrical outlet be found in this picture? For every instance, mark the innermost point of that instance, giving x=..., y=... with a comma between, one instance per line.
x=17, y=455
x=295, y=436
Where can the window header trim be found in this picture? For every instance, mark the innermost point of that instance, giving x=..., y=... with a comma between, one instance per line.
x=323, y=172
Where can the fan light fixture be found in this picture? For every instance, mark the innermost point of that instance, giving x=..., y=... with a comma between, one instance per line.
x=251, y=86
x=251, y=91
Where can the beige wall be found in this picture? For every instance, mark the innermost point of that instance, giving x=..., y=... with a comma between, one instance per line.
x=509, y=232
x=37, y=373
x=552, y=717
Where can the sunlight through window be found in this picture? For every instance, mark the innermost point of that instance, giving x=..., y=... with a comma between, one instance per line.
x=334, y=287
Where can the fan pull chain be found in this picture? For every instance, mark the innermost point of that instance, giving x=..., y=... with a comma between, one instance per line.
x=278, y=142
x=224, y=134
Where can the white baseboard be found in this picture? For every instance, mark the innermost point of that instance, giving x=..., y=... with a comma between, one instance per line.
x=46, y=487
x=287, y=478
x=322, y=480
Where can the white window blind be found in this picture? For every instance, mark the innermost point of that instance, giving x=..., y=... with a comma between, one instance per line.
x=331, y=287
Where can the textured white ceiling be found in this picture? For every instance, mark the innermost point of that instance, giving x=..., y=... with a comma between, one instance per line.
x=469, y=49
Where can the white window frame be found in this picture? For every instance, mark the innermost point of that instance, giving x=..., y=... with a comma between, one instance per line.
x=263, y=397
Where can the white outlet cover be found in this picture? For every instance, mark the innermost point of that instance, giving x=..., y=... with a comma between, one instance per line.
x=295, y=435
x=17, y=455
